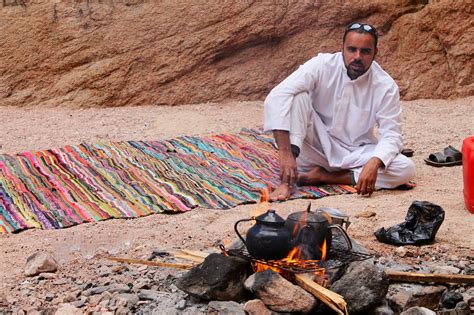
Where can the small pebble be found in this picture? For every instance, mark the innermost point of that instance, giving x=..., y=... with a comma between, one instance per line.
x=401, y=251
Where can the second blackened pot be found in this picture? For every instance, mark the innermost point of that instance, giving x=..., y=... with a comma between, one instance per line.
x=310, y=230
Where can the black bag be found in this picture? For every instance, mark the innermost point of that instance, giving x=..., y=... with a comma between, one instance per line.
x=421, y=224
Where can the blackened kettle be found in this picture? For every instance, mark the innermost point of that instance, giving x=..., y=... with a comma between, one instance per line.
x=310, y=230
x=268, y=238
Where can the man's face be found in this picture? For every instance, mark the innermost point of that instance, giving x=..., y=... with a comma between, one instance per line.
x=358, y=53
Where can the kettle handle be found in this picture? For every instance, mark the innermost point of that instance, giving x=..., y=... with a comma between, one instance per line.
x=237, y=231
x=344, y=234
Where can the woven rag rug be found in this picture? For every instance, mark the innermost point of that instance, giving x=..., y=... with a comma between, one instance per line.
x=66, y=186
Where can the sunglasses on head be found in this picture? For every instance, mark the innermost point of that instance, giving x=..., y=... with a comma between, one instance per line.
x=366, y=27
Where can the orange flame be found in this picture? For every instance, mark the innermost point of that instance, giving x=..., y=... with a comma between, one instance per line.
x=294, y=254
x=261, y=267
x=265, y=196
x=324, y=249
x=263, y=205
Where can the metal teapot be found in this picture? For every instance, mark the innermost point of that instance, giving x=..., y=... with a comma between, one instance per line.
x=268, y=238
x=337, y=217
x=310, y=230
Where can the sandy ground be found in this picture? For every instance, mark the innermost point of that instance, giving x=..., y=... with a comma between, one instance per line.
x=429, y=125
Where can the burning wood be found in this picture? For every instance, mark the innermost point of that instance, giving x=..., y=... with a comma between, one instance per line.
x=289, y=267
x=293, y=262
x=331, y=299
x=315, y=286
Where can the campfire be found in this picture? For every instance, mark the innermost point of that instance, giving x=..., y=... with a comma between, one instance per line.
x=306, y=262
x=311, y=239
x=296, y=261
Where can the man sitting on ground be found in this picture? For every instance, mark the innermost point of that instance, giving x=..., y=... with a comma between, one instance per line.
x=324, y=115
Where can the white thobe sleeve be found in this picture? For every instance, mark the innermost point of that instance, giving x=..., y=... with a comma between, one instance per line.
x=388, y=119
x=277, y=105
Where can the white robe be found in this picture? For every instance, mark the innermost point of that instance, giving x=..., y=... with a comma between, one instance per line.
x=345, y=112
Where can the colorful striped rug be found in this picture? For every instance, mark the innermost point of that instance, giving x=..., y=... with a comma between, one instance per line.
x=66, y=186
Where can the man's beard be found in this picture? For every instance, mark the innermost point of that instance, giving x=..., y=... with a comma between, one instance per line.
x=356, y=69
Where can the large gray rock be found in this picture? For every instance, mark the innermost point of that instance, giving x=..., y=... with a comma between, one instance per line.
x=40, y=262
x=449, y=299
x=462, y=308
x=278, y=294
x=219, y=278
x=403, y=296
x=363, y=286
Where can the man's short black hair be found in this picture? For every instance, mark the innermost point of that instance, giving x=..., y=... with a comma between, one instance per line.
x=363, y=29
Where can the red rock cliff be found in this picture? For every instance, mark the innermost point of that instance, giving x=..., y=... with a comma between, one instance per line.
x=132, y=52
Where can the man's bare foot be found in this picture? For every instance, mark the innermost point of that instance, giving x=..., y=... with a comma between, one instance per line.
x=315, y=176
x=281, y=193
x=319, y=175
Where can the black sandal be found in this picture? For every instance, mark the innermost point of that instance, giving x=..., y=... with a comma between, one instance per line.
x=448, y=157
x=408, y=152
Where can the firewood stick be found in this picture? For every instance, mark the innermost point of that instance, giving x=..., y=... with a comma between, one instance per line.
x=195, y=253
x=150, y=263
x=328, y=297
x=188, y=257
x=401, y=276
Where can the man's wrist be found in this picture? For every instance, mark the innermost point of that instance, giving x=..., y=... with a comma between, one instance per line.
x=378, y=161
x=295, y=150
x=292, y=149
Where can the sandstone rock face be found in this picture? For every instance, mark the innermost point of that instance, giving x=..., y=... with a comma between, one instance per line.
x=140, y=52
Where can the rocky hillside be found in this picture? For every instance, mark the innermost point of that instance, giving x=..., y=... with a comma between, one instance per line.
x=118, y=52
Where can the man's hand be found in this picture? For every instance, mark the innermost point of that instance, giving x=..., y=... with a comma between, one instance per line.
x=288, y=173
x=368, y=177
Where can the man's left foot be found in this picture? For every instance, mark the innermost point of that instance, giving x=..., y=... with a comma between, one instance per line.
x=319, y=176
x=314, y=177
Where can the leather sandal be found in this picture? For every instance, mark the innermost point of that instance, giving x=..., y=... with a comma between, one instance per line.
x=408, y=152
x=448, y=157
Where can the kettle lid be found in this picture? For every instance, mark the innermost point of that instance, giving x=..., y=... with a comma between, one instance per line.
x=270, y=218
x=335, y=213
x=309, y=216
